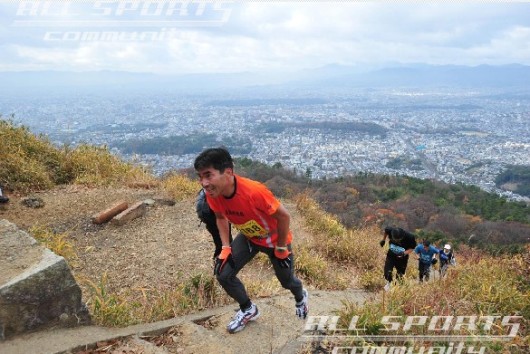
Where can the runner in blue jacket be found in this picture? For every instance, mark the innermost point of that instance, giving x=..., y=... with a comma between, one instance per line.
x=425, y=254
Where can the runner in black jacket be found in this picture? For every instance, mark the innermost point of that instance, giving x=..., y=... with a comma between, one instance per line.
x=401, y=244
x=3, y=199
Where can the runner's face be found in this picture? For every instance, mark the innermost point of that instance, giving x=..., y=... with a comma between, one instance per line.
x=214, y=182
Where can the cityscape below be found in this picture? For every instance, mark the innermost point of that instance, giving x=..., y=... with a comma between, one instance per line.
x=465, y=135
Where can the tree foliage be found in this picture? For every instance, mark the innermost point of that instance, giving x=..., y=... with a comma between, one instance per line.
x=517, y=175
x=442, y=212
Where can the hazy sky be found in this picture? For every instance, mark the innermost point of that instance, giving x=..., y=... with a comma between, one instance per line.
x=187, y=37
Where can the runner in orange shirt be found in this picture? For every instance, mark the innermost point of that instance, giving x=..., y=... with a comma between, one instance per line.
x=263, y=225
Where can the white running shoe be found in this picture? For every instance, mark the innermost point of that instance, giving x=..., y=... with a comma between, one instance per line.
x=387, y=286
x=302, y=308
x=241, y=318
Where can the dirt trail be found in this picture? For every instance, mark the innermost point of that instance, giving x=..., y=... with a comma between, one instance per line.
x=157, y=252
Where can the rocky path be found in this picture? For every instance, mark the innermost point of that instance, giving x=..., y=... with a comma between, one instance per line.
x=276, y=331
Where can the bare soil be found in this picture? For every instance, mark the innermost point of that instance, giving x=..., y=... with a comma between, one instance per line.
x=147, y=252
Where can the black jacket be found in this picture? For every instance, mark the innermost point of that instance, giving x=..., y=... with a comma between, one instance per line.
x=407, y=239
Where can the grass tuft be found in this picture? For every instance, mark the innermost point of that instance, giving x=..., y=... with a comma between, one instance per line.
x=58, y=243
x=146, y=305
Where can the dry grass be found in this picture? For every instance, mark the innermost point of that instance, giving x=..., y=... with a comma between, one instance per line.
x=332, y=242
x=198, y=292
x=58, y=243
x=481, y=285
x=96, y=166
x=31, y=162
x=179, y=186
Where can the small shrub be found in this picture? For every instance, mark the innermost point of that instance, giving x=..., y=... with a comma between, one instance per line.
x=96, y=166
x=109, y=309
x=372, y=279
x=312, y=266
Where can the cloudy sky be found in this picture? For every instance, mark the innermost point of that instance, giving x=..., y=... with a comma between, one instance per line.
x=191, y=37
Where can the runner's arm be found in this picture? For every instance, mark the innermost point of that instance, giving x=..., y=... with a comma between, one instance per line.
x=284, y=219
x=224, y=228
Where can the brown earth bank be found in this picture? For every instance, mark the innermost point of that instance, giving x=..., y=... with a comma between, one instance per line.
x=158, y=252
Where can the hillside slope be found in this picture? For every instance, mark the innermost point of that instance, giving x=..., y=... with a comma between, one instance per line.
x=163, y=250
x=165, y=246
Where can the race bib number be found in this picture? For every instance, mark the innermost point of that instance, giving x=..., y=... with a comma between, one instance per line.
x=396, y=249
x=426, y=258
x=251, y=229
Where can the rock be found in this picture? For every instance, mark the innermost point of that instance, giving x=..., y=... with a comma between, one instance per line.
x=64, y=318
x=149, y=202
x=37, y=289
x=32, y=202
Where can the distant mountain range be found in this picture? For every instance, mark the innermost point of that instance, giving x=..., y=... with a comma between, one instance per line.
x=414, y=75
x=430, y=75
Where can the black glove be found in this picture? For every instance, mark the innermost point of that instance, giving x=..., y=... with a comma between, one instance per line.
x=382, y=243
x=434, y=261
x=222, y=259
x=283, y=257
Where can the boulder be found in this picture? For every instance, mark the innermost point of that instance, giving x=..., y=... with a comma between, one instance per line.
x=37, y=289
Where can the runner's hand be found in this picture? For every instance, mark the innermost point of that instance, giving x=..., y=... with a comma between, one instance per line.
x=283, y=257
x=220, y=261
x=382, y=243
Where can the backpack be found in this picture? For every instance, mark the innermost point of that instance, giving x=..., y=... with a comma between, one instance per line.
x=204, y=213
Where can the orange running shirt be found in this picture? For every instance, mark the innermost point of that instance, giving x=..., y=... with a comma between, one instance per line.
x=250, y=210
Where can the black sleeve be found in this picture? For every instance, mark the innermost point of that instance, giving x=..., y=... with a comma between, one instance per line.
x=388, y=231
x=410, y=241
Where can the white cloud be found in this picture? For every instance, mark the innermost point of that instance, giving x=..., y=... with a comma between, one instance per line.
x=261, y=36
